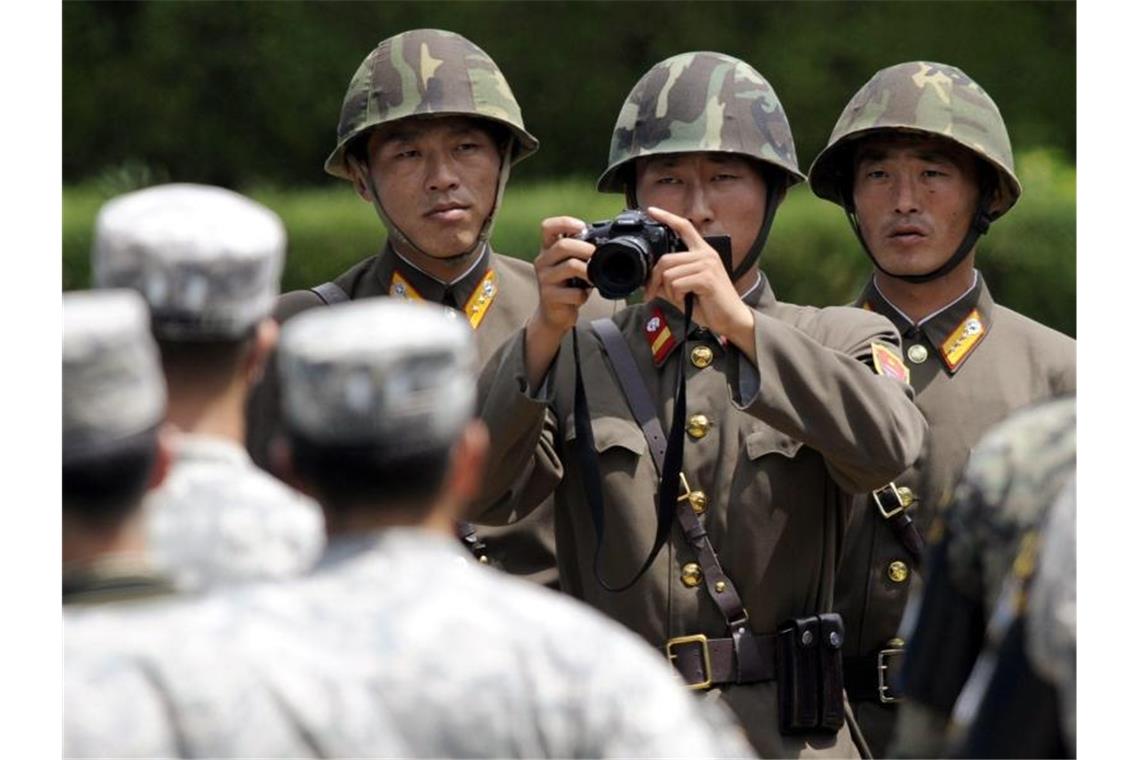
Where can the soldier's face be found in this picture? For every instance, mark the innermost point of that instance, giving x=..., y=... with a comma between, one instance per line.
x=720, y=193
x=914, y=199
x=437, y=179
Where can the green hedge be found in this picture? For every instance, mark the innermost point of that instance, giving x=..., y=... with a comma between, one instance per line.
x=1028, y=257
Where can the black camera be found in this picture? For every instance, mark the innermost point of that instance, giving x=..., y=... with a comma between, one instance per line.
x=629, y=245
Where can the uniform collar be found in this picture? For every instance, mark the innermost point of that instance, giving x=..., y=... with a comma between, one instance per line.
x=117, y=576
x=954, y=331
x=664, y=323
x=209, y=448
x=472, y=293
x=388, y=541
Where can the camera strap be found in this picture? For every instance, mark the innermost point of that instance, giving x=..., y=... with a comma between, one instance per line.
x=669, y=468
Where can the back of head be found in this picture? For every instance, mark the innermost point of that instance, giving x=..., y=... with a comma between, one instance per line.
x=114, y=399
x=375, y=394
x=207, y=260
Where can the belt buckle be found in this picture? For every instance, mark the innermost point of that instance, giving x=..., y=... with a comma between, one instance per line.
x=890, y=490
x=697, y=638
x=885, y=695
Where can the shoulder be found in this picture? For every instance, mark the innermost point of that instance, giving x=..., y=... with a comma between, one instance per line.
x=511, y=267
x=1035, y=335
x=296, y=301
x=840, y=327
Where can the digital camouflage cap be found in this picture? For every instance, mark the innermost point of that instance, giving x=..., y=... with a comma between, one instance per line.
x=426, y=72
x=696, y=102
x=924, y=98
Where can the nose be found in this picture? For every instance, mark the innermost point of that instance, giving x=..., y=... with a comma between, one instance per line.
x=906, y=195
x=441, y=175
x=698, y=209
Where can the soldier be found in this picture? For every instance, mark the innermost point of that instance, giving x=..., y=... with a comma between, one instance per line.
x=398, y=644
x=921, y=162
x=428, y=134
x=1015, y=472
x=768, y=455
x=209, y=261
x=113, y=404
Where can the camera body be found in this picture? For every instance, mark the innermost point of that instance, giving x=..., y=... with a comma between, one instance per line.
x=629, y=245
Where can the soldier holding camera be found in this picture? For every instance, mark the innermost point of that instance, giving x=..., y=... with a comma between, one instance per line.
x=779, y=412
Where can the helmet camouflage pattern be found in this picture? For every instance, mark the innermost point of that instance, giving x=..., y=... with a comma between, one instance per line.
x=696, y=102
x=920, y=98
x=426, y=72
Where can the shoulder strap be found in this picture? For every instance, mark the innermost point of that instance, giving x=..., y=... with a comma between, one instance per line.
x=633, y=386
x=330, y=293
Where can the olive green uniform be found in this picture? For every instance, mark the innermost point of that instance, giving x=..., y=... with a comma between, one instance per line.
x=525, y=548
x=1008, y=362
x=774, y=463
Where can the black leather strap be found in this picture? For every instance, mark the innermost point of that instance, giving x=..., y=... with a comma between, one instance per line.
x=887, y=499
x=689, y=660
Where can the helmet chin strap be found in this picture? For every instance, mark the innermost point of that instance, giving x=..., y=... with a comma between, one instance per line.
x=979, y=225
x=397, y=235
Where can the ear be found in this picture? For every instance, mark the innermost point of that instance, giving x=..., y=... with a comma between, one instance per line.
x=468, y=460
x=261, y=348
x=359, y=181
x=164, y=446
x=282, y=467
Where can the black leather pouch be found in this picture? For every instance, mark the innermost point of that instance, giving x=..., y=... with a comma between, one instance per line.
x=797, y=675
x=809, y=674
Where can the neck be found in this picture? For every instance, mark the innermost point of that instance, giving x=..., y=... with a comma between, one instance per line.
x=446, y=270
x=747, y=281
x=220, y=414
x=84, y=544
x=346, y=521
x=918, y=300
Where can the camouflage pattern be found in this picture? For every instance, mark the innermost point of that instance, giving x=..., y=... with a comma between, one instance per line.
x=218, y=518
x=397, y=645
x=112, y=380
x=379, y=371
x=696, y=102
x=426, y=72
x=1051, y=617
x=921, y=98
x=1013, y=474
x=207, y=260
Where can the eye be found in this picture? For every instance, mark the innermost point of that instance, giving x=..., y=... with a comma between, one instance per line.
x=724, y=177
x=934, y=173
x=404, y=154
x=876, y=174
x=667, y=179
x=467, y=147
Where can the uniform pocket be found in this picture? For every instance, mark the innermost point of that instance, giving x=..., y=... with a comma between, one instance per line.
x=613, y=433
x=770, y=441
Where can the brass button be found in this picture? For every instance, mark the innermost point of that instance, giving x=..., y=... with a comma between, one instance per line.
x=699, y=501
x=701, y=356
x=917, y=353
x=691, y=574
x=698, y=426
x=906, y=496
x=720, y=587
x=895, y=644
x=898, y=571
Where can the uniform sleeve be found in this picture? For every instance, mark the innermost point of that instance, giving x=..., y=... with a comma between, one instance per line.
x=523, y=466
x=823, y=391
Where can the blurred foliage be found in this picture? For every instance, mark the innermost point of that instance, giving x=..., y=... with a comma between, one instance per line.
x=812, y=256
x=248, y=94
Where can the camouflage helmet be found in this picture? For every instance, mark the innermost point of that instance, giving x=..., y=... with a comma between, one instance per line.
x=426, y=72
x=921, y=98
x=696, y=102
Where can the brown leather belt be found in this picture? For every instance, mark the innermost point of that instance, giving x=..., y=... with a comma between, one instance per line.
x=874, y=677
x=705, y=662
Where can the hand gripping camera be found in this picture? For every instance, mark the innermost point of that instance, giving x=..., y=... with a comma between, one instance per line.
x=629, y=245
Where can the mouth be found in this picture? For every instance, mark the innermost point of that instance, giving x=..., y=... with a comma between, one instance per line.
x=448, y=212
x=907, y=234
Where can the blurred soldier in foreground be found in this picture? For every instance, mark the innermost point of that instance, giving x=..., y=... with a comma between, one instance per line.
x=428, y=134
x=399, y=644
x=113, y=404
x=209, y=261
x=1020, y=700
x=921, y=162
x=1014, y=474
x=778, y=414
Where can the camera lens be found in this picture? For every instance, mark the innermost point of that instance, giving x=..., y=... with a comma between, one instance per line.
x=620, y=266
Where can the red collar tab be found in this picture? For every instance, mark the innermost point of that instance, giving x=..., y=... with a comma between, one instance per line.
x=659, y=336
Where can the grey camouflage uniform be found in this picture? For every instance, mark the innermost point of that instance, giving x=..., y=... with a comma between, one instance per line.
x=208, y=261
x=398, y=643
x=1014, y=474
